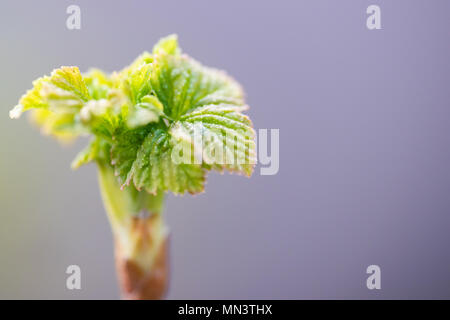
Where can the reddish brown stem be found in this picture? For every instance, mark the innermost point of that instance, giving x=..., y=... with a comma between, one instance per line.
x=138, y=282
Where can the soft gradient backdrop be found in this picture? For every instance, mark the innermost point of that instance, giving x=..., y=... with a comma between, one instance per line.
x=364, y=119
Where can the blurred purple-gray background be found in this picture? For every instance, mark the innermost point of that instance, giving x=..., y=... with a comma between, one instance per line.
x=364, y=119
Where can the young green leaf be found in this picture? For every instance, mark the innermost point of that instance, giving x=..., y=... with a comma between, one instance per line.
x=160, y=123
x=86, y=155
